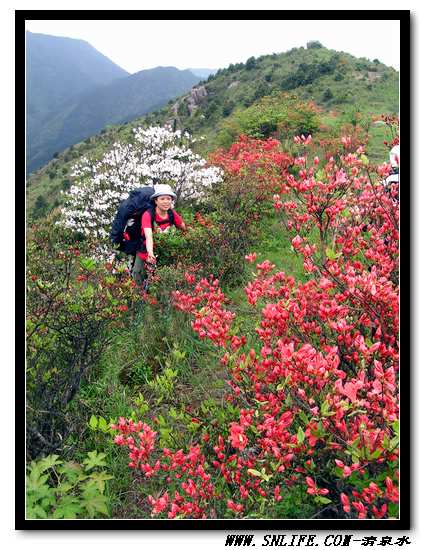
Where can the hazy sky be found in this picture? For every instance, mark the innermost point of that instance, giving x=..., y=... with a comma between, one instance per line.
x=137, y=45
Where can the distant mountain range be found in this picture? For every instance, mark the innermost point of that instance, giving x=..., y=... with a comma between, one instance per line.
x=74, y=91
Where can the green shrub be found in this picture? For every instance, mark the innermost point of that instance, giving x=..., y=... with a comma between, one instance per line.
x=216, y=245
x=279, y=112
x=72, y=303
x=228, y=107
x=314, y=44
x=40, y=207
x=327, y=94
x=67, y=490
x=66, y=184
x=251, y=63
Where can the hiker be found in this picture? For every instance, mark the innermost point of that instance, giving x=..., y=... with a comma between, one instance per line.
x=158, y=218
x=391, y=183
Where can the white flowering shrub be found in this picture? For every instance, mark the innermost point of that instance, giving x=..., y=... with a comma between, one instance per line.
x=154, y=155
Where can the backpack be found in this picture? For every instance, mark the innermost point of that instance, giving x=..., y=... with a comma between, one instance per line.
x=126, y=230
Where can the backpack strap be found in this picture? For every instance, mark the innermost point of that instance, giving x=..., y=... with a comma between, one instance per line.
x=169, y=219
x=171, y=216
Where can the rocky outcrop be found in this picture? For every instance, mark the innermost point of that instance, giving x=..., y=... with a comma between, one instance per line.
x=373, y=75
x=195, y=98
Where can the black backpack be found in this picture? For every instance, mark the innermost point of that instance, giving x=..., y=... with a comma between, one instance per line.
x=128, y=220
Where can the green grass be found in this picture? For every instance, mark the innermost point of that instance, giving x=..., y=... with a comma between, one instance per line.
x=109, y=394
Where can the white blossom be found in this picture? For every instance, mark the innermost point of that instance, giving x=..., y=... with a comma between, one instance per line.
x=155, y=155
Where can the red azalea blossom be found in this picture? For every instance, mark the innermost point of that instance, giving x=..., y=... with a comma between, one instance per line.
x=251, y=257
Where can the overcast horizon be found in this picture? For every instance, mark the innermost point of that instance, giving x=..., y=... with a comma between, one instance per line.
x=141, y=44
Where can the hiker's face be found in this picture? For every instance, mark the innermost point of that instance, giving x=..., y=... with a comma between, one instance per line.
x=164, y=202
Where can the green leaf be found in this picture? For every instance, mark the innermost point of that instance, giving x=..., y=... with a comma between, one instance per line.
x=94, y=459
x=161, y=420
x=72, y=470
x=300, y=435
x=67, y=512
x=37, y=483
x=49, y=462
x=253, y=472
x=103, y=425
x=320, y=432
x=393, y=510
x=324, y=407
x=386, y=442
x=98, y=479
x=48, y=501
x=331, y=254
x=364, y=159
x=376, y=454
x=96, y=504
x=36, y=512
x=320, y=174
x=254, y=429
x=87, y=263
x=396, y=427
x=93, y=422
x=322, y=500
x=35, y=472
x=68, y=508
x=179, y=354
x=261, y=474
x=89, y=292
x=172, y=413
x=64, y=488
x=303, y=417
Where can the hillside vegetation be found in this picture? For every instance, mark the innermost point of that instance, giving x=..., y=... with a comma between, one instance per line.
x=335, y=81
x=347, y=91
x=258, y=375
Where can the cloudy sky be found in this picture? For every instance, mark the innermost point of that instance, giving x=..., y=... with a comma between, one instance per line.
x=141, y=44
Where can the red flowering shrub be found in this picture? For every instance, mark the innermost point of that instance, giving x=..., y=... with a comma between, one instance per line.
x=261, y=163
x=316, y=394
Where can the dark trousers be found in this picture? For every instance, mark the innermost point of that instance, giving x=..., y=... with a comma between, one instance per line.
x=138, y=271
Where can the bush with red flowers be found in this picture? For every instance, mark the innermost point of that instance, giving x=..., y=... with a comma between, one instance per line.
x=312, y=400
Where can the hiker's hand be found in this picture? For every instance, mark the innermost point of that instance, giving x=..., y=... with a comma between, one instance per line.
x=151, y=259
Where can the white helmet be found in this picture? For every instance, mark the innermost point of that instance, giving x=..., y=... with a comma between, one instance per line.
x=395, y=156
x=163, y=189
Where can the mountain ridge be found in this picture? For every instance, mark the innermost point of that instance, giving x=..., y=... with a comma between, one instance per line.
x=65, y=106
